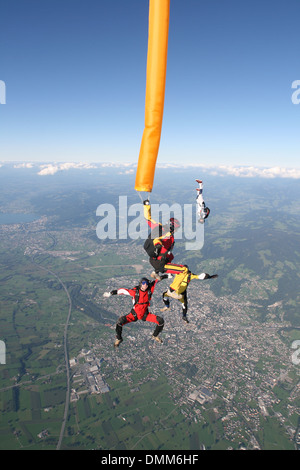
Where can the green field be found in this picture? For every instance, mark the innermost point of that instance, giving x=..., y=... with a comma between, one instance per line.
x=237, y=345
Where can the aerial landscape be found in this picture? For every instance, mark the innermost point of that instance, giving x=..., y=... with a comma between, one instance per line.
x=123, y=118
x=229, y=379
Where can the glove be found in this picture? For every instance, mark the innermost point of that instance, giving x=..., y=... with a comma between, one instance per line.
x=157, y=250
x=202, y=276
x=207, y=276
x=146, y=202
x=106, y=294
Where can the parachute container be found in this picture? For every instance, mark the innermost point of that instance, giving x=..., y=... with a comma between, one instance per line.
x=159, y=11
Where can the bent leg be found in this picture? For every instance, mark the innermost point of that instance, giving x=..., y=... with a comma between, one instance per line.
x=184, y=303
x=159, y=323
x=166, y=301
x=123, y=320
x=158, y=265
x=159, y=327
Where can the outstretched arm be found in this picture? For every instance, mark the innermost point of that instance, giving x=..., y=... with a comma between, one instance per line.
x=163, y=276
x=203, y=276
x=119, y=292
x=147, y=214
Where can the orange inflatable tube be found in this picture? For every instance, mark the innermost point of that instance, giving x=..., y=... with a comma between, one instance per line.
x=159, y=11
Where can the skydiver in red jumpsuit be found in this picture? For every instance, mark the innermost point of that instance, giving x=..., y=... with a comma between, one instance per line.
x=141, y=296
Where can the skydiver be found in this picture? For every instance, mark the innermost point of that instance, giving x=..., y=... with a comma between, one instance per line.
x=159, y=246
x=141, y=297
x=202, y=210
x=179, y=286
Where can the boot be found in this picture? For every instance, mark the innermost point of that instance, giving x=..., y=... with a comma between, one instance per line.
x=155, y=275
x=173, y=294
x=157, y=338
x=118, y=342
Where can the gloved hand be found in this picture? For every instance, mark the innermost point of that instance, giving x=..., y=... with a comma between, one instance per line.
x=157, y=250
x=106, y=294
x=202, y=276
x=207, y=276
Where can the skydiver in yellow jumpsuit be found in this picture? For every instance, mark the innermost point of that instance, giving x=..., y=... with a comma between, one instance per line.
x=179, y=286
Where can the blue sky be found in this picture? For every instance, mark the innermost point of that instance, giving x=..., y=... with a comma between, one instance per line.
x=75, y=74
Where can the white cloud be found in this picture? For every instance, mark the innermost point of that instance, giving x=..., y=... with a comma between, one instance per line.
x=23, y=165
x=242, y=171
x=117, y=164
x=257, y=172
x=48, y=170
x=51, y=169
x=130, y=168
x=126, y=172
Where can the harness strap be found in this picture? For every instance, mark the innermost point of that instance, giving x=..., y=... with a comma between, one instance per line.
x=137, y=296
x=135, y=315
x=136, y=302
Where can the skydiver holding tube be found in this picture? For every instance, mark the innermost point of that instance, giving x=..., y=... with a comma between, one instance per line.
x=159, y=246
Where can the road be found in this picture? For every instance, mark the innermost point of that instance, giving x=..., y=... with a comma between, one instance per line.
x=67, y=365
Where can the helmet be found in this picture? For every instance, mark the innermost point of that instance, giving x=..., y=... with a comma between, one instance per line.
x=144, y=280
x=207, y=211
x=174, y=224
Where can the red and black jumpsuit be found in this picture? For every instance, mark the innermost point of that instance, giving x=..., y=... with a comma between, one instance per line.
x=141, y=301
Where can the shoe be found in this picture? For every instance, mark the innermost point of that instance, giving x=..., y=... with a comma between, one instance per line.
x=118, y=342
x=185, y=319
x=174, y=294
x=157, y=338
x=156, y=276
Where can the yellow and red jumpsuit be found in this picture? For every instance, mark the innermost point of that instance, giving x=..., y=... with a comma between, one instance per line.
x=180, y=285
